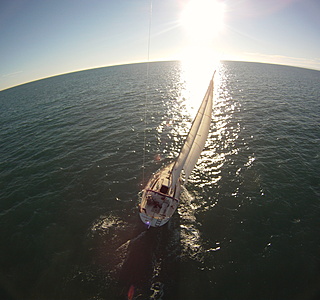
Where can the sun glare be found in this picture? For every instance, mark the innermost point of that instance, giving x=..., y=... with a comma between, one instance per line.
x=203, y=19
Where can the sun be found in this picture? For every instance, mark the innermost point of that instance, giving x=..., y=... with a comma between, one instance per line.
x=203, y=19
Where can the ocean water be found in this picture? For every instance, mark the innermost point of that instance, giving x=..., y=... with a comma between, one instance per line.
x=71, y=156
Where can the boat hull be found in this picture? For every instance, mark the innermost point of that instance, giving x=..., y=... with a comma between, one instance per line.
x=160, y=198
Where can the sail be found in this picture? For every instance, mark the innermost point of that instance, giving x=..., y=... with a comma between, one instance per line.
x=196, y=138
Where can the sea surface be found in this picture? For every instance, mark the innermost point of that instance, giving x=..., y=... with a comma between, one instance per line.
x=71, y=168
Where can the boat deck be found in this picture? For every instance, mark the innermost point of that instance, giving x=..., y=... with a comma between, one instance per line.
x=158, y=199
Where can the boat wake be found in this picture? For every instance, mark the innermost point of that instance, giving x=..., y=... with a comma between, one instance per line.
x=191, y=245
x=130, y=256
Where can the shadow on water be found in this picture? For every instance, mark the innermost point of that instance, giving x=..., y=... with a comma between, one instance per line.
x=135, y=260
x=152, y=263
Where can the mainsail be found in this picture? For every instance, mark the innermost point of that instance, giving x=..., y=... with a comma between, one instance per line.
x=196, y=138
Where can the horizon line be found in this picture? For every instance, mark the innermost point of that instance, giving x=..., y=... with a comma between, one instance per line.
x=143, y=62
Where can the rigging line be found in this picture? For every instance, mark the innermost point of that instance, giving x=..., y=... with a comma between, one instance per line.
x=146, y=100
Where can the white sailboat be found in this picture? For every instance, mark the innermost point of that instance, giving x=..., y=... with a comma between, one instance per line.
x=160, y=197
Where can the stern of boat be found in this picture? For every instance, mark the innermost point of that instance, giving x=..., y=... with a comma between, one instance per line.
x=152, y=222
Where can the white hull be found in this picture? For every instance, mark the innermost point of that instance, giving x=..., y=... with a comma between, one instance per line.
x=160, y=198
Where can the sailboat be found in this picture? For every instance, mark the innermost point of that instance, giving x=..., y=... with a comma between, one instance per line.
x=160, y=197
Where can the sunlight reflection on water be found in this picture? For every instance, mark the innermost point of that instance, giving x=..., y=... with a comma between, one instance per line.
x=195, y=77
x=72, y=168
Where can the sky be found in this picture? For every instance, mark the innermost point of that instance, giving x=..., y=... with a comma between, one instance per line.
x=43, y=38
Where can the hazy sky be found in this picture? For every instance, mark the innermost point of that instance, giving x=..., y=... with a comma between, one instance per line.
x=41, y=38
